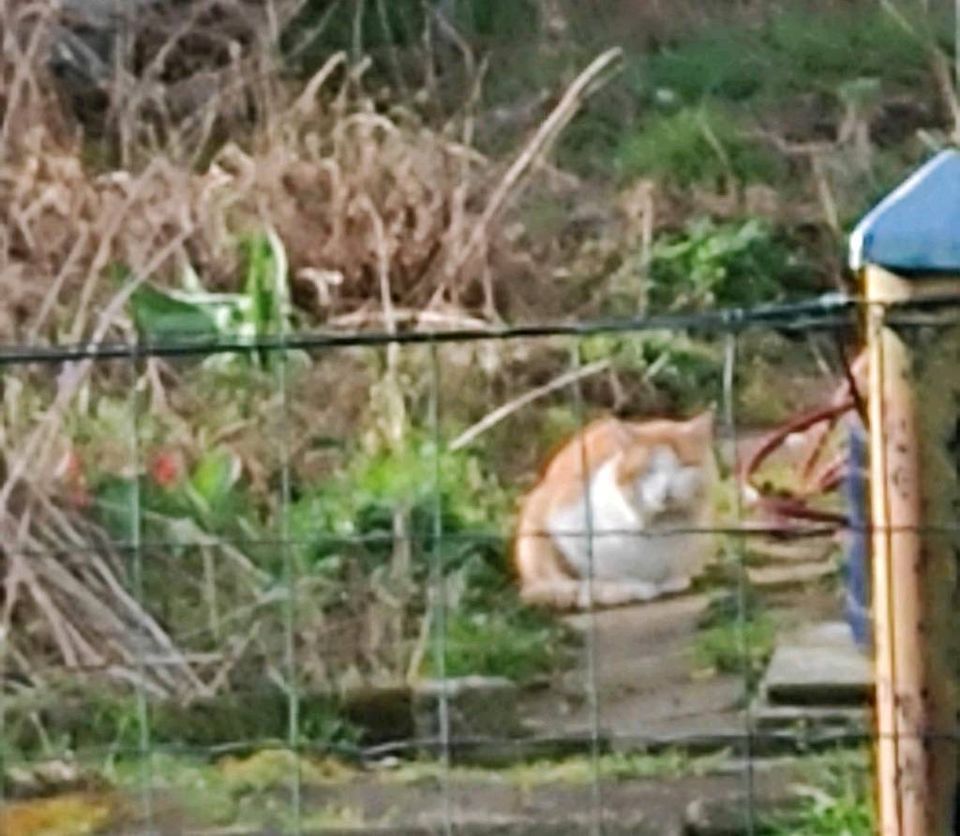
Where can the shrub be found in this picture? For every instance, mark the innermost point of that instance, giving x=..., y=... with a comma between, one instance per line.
x=349, y=532
x=740, y=263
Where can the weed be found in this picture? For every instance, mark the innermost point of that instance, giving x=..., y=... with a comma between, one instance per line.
x=505, y=640
x=737, y=647
x=740, y=263
x=834, y=802
x=791, y=54
x=696, y=144
x=361, y=501
x=263, y=310
x=736, y=636
x=350, y=526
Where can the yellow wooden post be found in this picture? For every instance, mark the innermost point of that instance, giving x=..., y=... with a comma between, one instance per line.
x=916, y=750
x=907, y=249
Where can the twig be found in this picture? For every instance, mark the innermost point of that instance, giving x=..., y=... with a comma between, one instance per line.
x=358, y=318
x=388, y=35
x=235, y=655
x=357, y=38
x=53, y=293
x=547, y=133
x=829, y=205
x=420, y=648
x=396, y=416
x=471, y=434
x=314, y=32
x=942, y=71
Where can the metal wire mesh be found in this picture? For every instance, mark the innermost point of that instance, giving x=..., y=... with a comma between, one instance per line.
x=287, y=581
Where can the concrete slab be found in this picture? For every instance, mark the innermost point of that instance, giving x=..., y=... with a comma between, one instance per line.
x=776, y=578
x=818, y=665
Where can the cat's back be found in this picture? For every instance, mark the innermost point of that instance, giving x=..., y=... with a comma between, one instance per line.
x=570, y=466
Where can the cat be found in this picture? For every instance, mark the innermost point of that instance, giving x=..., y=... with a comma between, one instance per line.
x=646, y=479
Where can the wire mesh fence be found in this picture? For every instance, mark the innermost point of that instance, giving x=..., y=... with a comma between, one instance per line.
x=327, y=633
x=419, y=572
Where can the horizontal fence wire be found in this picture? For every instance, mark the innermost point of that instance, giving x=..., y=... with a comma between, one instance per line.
x=371, y=754
x=746, y=531
x=829, y=313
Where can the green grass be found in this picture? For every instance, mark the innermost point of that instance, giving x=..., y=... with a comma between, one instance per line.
x=510, y=641
x=670, y=111
x=793, y=53
x=574, y=770
x=696, y=144
x=737, y=647
x=253, y=790
x=835, y=800
x=736, y=636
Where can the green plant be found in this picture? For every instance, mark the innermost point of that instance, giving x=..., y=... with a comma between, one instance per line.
x=263, y=310
x=835, y=801
x=210, y=494
x=736, y=635
x=696, y=144
x=793, y=53
x=739, y=263
x=351, y=524
x=501, y=639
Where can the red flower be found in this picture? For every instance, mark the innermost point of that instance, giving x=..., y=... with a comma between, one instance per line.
x=166, y=468
x=74, y=479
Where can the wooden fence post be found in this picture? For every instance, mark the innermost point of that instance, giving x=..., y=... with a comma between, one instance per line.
x=905, y=248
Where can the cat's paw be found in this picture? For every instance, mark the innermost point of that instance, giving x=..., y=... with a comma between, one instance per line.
x=640, y=591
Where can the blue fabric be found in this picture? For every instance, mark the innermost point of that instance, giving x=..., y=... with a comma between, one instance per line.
x=916, y=228
x=856, y=569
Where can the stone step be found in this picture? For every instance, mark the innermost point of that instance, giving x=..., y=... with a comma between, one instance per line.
x=818, y=666
x=777, y=578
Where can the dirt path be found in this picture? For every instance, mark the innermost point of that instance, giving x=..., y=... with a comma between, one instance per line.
x=646, y=682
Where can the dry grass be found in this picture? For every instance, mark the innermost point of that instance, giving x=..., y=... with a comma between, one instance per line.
x=200, y=140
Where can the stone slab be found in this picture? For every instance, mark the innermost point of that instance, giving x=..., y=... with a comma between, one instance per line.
x=787, y=577
x=818, y=665
x=476, y=707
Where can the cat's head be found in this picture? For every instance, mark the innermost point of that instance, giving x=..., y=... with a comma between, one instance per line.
x=666, y=467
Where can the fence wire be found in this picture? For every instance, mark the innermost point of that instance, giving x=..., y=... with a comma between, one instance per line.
x=284, y=580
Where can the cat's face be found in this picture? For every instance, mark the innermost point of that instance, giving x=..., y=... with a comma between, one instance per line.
x=666, y=470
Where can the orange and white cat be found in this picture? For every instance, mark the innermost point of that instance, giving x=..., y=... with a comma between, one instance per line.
x=630, y=501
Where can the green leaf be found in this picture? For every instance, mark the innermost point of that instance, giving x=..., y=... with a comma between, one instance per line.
x=157, y=314
x=267, y=282
x=116, y=504
x=214, y=477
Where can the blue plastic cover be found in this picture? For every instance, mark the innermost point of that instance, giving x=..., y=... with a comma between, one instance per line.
x=856, y=564
x=916, y=228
